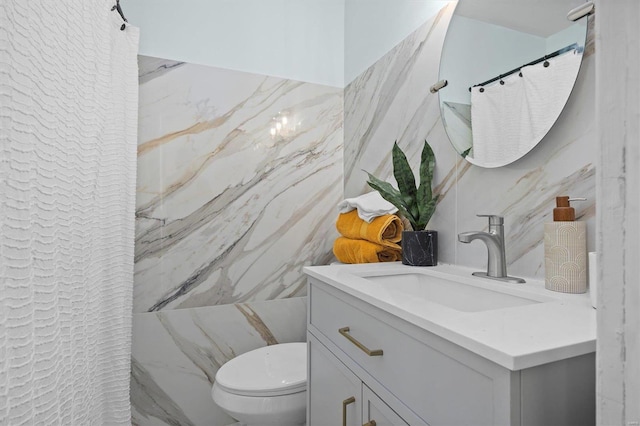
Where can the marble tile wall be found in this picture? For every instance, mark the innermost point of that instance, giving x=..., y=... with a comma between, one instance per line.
x=176, y=354
x=226, y=212
x=232, y=201
x=391, y=101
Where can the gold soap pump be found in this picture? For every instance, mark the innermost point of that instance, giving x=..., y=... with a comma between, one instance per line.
x=565, y=249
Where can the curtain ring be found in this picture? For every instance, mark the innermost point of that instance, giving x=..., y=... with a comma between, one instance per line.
x=520, y=74
x=501, y=81
x=481, y=89
x=545, y=63
x=119, y=9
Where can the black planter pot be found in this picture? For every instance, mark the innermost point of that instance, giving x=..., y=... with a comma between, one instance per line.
x=420, y=248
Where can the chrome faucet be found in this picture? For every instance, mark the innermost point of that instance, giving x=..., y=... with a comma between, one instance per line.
x=494, y=239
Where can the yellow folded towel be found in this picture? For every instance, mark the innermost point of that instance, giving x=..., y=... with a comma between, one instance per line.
x=385, y=230
x=348, y=250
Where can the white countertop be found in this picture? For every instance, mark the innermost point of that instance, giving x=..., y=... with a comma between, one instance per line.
x=557, y=327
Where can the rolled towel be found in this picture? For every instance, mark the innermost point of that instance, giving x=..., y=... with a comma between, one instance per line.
x=348, y=250
x=369, y=206
x=385, y=230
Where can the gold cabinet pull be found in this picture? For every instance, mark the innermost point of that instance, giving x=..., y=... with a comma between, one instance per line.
x=345, y=332
x=370, y=423
x=346, y=402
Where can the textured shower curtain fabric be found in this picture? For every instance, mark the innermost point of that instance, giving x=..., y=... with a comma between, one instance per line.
x=496, y=115
x=509, y=119
x=68, y=123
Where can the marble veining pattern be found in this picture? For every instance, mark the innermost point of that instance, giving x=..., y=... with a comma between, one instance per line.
x=176, y=354
x=226, y=211
x=391, y=101
x=150, y=68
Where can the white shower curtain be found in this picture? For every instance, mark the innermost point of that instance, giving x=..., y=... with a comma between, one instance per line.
x=509, y=120
x=68, y=119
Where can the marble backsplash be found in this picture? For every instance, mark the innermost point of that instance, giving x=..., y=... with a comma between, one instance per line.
x=238, y=178
x=391, y=101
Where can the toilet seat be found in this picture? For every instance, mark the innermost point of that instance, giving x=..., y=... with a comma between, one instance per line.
x=269, y=371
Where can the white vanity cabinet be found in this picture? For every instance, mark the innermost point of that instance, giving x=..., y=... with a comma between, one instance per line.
x=336, y=396
x=376, y=410
x=420, y=378
x=339, y=397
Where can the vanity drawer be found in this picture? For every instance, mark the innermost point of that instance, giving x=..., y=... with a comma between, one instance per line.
x=431, y=382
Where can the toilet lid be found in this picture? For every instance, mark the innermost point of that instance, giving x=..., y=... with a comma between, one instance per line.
x=272, y=370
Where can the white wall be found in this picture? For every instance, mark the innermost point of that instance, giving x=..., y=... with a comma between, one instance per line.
x=318, y=41
x=618, y=128
x=469, y=39
x=567, y=36
x=298, y=40
x=373, y=27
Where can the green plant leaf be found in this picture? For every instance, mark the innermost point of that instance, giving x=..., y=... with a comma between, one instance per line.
x=430, y=208
x=404, y=176
x=426, y=205
x=417, y=205
x=392, y=195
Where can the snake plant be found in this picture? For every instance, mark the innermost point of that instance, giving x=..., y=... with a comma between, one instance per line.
x=417, y=205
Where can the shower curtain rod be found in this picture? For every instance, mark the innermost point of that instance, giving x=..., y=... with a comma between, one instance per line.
x=537, y=61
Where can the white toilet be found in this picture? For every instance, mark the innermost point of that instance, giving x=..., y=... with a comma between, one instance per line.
x=266, y=386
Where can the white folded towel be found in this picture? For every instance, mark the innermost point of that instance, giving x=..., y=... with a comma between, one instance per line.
x=369, y=206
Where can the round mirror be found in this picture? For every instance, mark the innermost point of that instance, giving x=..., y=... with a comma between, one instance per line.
x=510, y=67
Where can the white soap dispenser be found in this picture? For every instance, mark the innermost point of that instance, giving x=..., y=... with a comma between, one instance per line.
x=565, y=250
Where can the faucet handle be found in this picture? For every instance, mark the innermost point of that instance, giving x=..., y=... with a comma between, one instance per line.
x=493, y=219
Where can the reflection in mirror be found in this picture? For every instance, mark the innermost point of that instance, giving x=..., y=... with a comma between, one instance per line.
x=510, y=67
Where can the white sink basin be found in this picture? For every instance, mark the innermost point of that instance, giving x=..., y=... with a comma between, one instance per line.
x=452, y=294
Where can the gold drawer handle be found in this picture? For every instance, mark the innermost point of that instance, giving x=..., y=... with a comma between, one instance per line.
x=345, y=332
x=370, y=423
x=346, y=402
